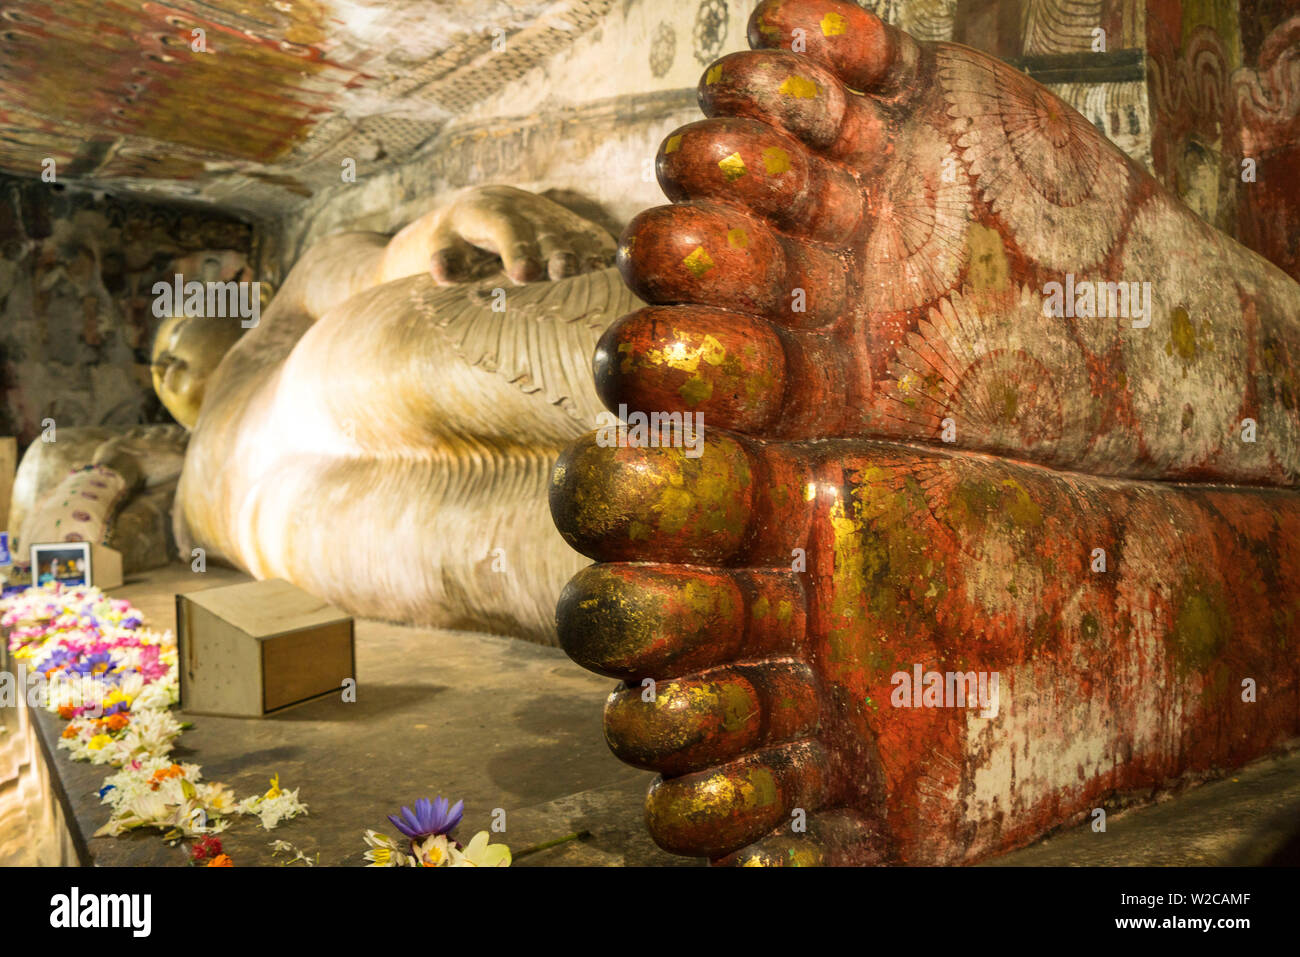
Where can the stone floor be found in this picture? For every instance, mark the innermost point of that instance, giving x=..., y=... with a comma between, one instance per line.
x=1249, y=818
x=506, y=724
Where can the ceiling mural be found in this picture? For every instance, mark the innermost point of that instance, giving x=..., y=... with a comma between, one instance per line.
x=253, y=104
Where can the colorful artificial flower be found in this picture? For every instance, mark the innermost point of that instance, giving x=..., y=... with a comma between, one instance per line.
x=115, y=683
x=221, y=860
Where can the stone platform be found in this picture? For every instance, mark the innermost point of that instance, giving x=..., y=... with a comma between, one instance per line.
x=506, y=724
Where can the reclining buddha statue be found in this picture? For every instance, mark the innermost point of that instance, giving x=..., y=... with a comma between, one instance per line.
x=382, y=437
x=984, y=401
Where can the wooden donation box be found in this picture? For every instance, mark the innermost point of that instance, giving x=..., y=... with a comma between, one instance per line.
x=254, y=649
x=105, y=567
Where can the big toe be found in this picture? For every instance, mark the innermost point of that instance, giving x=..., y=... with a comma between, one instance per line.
x=866, y=53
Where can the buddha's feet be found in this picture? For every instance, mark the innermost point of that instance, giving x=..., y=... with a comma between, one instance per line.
x=953, y=256
x=885, y=265
x=788, y=602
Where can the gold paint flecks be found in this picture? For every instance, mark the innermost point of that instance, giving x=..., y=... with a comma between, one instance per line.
x=776, y=160
x=799, y=87
x=685, y=356
x=674, y=144
x=833, y=25
x=738, y=239
x=733, y=167
x=698, y=262
x=714, y=74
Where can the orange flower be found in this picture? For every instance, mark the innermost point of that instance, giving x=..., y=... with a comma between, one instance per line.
x=65, y=712
x=221, y=860
x=70, y=731
x=162, y=774
x=116, y=722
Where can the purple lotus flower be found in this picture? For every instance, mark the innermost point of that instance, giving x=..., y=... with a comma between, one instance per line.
x=59, y=658
x=429, y=818
x=97, y=664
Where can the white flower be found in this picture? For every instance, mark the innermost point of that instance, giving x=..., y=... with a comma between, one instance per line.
x=147, y=809
x=157, y=696
x=479, y=853
x=150, y=734
x=217, y=799
x=273, y=807
x=434, y=851
x=384, y=851
x=284, y=847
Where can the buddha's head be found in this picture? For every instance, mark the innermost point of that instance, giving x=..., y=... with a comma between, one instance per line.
x=186, y=352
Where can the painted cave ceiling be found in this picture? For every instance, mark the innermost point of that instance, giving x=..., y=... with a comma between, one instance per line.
x=253, y=104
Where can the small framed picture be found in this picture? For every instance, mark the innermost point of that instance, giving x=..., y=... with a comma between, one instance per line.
x=65, y=562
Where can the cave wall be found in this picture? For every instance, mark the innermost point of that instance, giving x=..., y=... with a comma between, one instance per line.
x=76, y=319
x=585, y=123
x=1187, y=88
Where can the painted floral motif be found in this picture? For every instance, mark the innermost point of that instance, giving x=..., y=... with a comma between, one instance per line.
x=917, y=246
x=998, y=372
x=1187, y=371
x=1038, y=163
